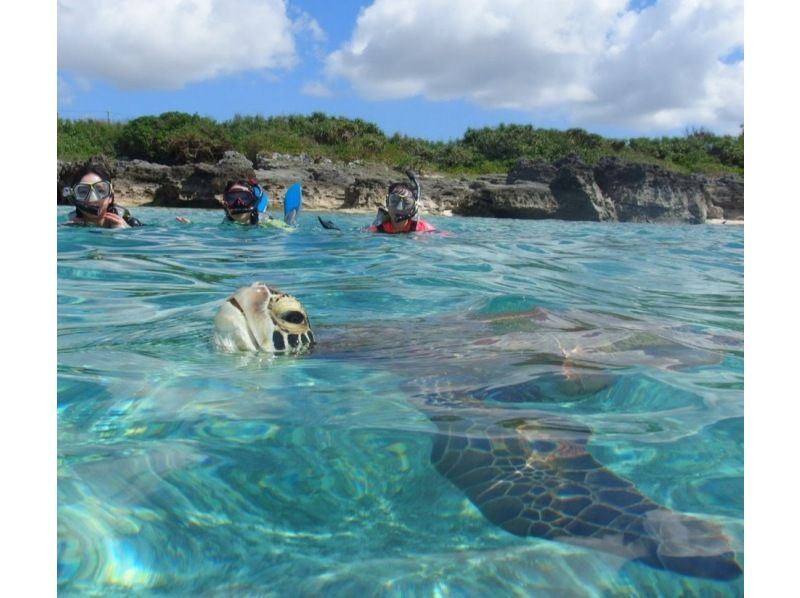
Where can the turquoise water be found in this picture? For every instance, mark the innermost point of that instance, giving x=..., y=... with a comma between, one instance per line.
x=186, y=471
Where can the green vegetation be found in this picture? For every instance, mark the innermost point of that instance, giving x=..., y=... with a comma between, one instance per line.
x=180, y=138
x=172, y=138
x=79, y=139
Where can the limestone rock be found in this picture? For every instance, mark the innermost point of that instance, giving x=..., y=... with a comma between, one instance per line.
x=568, y=189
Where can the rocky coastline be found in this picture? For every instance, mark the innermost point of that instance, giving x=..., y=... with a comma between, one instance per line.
x=568, y=189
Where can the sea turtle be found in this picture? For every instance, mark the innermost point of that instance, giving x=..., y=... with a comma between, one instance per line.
x=528, y=471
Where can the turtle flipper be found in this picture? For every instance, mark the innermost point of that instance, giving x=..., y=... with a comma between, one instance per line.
x=552, y=487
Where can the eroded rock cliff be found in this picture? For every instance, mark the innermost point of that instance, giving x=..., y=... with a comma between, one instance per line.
x=569, y=189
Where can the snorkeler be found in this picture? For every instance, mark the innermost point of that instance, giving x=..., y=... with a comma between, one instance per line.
x=93, y=195
x=245, y=202
x=401, y=214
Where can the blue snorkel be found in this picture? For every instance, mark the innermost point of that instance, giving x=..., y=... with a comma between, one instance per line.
x=263, y=198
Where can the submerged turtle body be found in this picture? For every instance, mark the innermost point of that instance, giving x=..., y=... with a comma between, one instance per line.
x=530, y=474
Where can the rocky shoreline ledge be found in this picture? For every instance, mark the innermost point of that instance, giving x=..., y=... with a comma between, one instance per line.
x=569, y=189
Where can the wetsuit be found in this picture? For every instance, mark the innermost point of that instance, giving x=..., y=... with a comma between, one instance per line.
x=409, y=226
x=124, y=213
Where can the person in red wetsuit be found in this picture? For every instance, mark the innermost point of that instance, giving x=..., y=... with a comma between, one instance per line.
x=401, y=214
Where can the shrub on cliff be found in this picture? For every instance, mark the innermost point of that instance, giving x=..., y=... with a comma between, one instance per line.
x=505, y=144
x=179, y=138
x=698, y=150
x=173, y=138
x=317, y=134
x=79, y=139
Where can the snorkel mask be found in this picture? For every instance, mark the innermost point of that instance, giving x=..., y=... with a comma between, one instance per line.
x=241, y=201
x=401, y=203
x=89, y=197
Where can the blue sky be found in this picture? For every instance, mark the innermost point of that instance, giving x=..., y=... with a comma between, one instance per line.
x=424, y=68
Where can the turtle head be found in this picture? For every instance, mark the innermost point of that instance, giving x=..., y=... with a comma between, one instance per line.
x=261, y=318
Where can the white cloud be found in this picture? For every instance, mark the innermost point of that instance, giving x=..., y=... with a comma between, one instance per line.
x=306, y=23
x=64, y=90
x=594, y=60
x=317, y=89
x=309, y=34
x=145, y=44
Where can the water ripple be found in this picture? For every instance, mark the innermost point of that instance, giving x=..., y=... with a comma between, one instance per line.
x=183, y=471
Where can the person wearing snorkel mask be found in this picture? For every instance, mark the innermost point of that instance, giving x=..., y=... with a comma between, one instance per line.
x=245, y=202
x=401, y=214
x=93, y=195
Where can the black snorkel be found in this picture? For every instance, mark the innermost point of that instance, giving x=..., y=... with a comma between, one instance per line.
x=417, y=186
x=253, y=216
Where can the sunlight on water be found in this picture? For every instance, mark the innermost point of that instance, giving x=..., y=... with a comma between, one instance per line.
x=185, y=471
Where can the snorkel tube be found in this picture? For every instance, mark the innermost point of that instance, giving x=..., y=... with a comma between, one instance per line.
x=263, y=198
x=417, y=194
x=417, y=186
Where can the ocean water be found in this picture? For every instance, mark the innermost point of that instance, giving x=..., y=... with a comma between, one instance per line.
x=184, y=471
